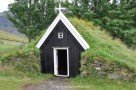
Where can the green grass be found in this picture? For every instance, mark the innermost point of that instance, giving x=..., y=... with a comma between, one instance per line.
x=103, y=46
x=94, y=83
x=6, y=48
x=14, y=83
x=10, y=42
x=11, y=83
x=8, y=36
x=17, y=67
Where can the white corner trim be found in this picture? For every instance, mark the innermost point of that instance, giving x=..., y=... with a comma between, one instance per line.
x=70, y=27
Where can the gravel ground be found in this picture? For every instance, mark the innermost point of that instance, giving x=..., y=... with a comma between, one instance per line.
x=57, y=83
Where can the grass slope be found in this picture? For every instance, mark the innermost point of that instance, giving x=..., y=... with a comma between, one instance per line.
x=17, y=67
x=9, y=42
x=11, y=37
x=103, y=46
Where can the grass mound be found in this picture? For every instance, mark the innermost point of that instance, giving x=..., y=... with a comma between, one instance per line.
x=103, y=48
x=20, y=66
x=21, y=61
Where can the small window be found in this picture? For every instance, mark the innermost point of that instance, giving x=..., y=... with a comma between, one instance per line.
x=60, y=35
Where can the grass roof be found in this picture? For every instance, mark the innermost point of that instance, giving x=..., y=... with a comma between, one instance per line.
x=103, y=46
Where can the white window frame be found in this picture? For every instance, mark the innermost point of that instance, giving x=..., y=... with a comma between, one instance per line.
x=56, y=60
x=60, y=35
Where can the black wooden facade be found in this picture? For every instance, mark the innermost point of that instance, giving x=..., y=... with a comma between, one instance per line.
x=68, y=40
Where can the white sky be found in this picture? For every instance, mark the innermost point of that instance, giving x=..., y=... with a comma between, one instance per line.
x=4, y=4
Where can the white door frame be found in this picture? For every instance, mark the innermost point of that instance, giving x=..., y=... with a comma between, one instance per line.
x=56, y=60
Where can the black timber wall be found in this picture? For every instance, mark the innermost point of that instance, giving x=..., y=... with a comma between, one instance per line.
x=75, y=49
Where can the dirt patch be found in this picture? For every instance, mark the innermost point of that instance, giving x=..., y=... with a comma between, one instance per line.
x=57, y=83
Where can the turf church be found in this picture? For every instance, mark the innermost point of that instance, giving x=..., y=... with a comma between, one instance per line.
x=61, y=47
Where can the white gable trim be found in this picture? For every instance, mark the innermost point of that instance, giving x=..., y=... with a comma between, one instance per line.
x=70, y=27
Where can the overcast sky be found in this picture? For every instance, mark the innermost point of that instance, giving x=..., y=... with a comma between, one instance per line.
x=4, y=4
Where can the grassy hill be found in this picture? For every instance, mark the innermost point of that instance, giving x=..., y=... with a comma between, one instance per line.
x=11, y=37
x=22, y=64
x=9, y=42
x=103, y=46
x=114, y=55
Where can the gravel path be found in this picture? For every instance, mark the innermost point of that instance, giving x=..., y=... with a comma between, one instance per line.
x=57, y=83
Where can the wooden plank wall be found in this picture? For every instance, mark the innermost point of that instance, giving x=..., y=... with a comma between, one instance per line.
x=75, y=49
